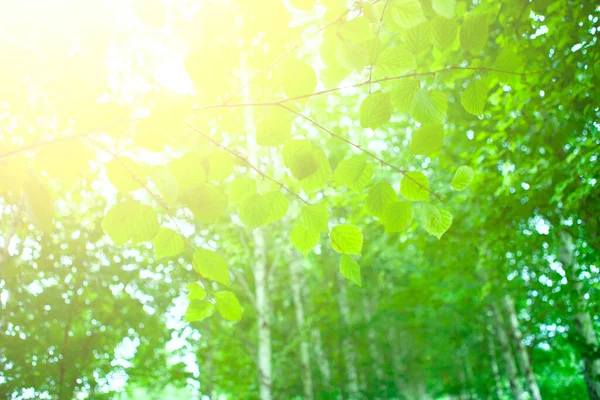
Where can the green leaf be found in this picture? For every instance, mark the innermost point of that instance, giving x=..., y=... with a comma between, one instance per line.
x=403, y=94
x=188, y=170
x=350, y=269
x=119, y=172
x=220, y=165
x=429, y=107
x=462, y=178
x=254, y=212
x=298, y=78
x=418, y=38
x=300, y=157
x=303, y=4
x=444, y=32
x=380, y=195
x=211, y=265
x=277, y=205
x=436, y=221
x=303, y=238
x=354, y=172
x=474, y=33
x=397, y=216
x=39, y=204
x=427, y=139
x=406, y=13
x=315, y=217
x=130, y=221
x=196, y=291
x=319, y=178
x=198, y=310
x=228, y=306
x=168, y=243
x=206, y=202
x=357, y=30
x=445, y=8
x=375, y=110
x=165, y=183
x=474, y=97
x=394, y=61
x=414, y=186
x=241, y=189
x=276, y=129
x=346, y=239
x=508, y=61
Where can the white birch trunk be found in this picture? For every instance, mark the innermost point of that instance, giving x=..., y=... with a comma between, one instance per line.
x=374, y=355
x=295, y=277
x=522, y=355
x=495, y=369
x=322, y=362
x=583, y=320
x=509, y=361
x=347, y=347
x=259, y=267
x=398, y=368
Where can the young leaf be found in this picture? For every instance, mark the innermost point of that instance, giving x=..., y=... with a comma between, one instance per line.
x=254, y=212
x=318, y=178
x=206, y=202
x=196, y=291
x=298, y=78
x=228, y=306
x=316, y=217
x=403, y=94
x=474, y=33
x=198, y=310
x=429, y=107
x=414, y=185
x=462, y=178
x=119, y=172
x=276, y=129
x=394, y=61
x=397, y=216
x=427, y=139
x=346, y=239
x=406, y=13
x=445, y=8
x=168, y=243
x=211, y=265
x=375, y=110
x=380, y=195
x=474, y=97
x=241, y=189
x=188, y=170
x=418, y=37
x=350, y=269
x=165, y=183
x=220, y=165
x=444, y=32
x=130, y=220
x=354, y=172
x=436, y=220
x=277, y=204
x=303, y=238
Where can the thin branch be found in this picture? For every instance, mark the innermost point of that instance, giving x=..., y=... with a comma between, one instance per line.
x=363, y=150
x=367, y=82
x=375, y=43
x=245, y=160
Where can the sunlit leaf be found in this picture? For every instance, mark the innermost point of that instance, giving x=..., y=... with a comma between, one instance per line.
x=125, y=174
x=445, y=8
x=198, y=310
x=228, y=306
x=168, y=243
x=346, y=239
x=303, y=238
x=403, y=94
x=350, y=269
x=375, y=110
x=397, y=216
x=196, y=291
x=436, y=221
x=380, y=195
x=354, y=172
x=130, y=221
x=474, y=33
x=211, y=265
x=462, y=178
x=429, y=107
x=444, y=32
x=242, y=188
x=427, y=139
x=188, y=170
x=474, y=96
x=414, y=186
x=220, y=165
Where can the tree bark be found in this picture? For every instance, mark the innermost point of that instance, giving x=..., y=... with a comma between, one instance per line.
x=583, y=321
x=259, y=269
x=322, y=362
x=347, y=347
x=398, y=368
x=295, y=277
x=374, y=355
x=495, y=369
x=522, y=355
x=509, y=361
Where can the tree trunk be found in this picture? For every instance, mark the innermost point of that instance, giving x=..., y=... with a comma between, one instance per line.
x=259, y=269
x=495, y=369
x=583, y=320
x=374, y=355
x=522, y=355
x=347, y=347
x=398, y=368
x=322, y=362
x=509, y=361
x=295, y=278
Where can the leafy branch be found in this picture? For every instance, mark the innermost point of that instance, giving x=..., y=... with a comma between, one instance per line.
x=247, y=162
